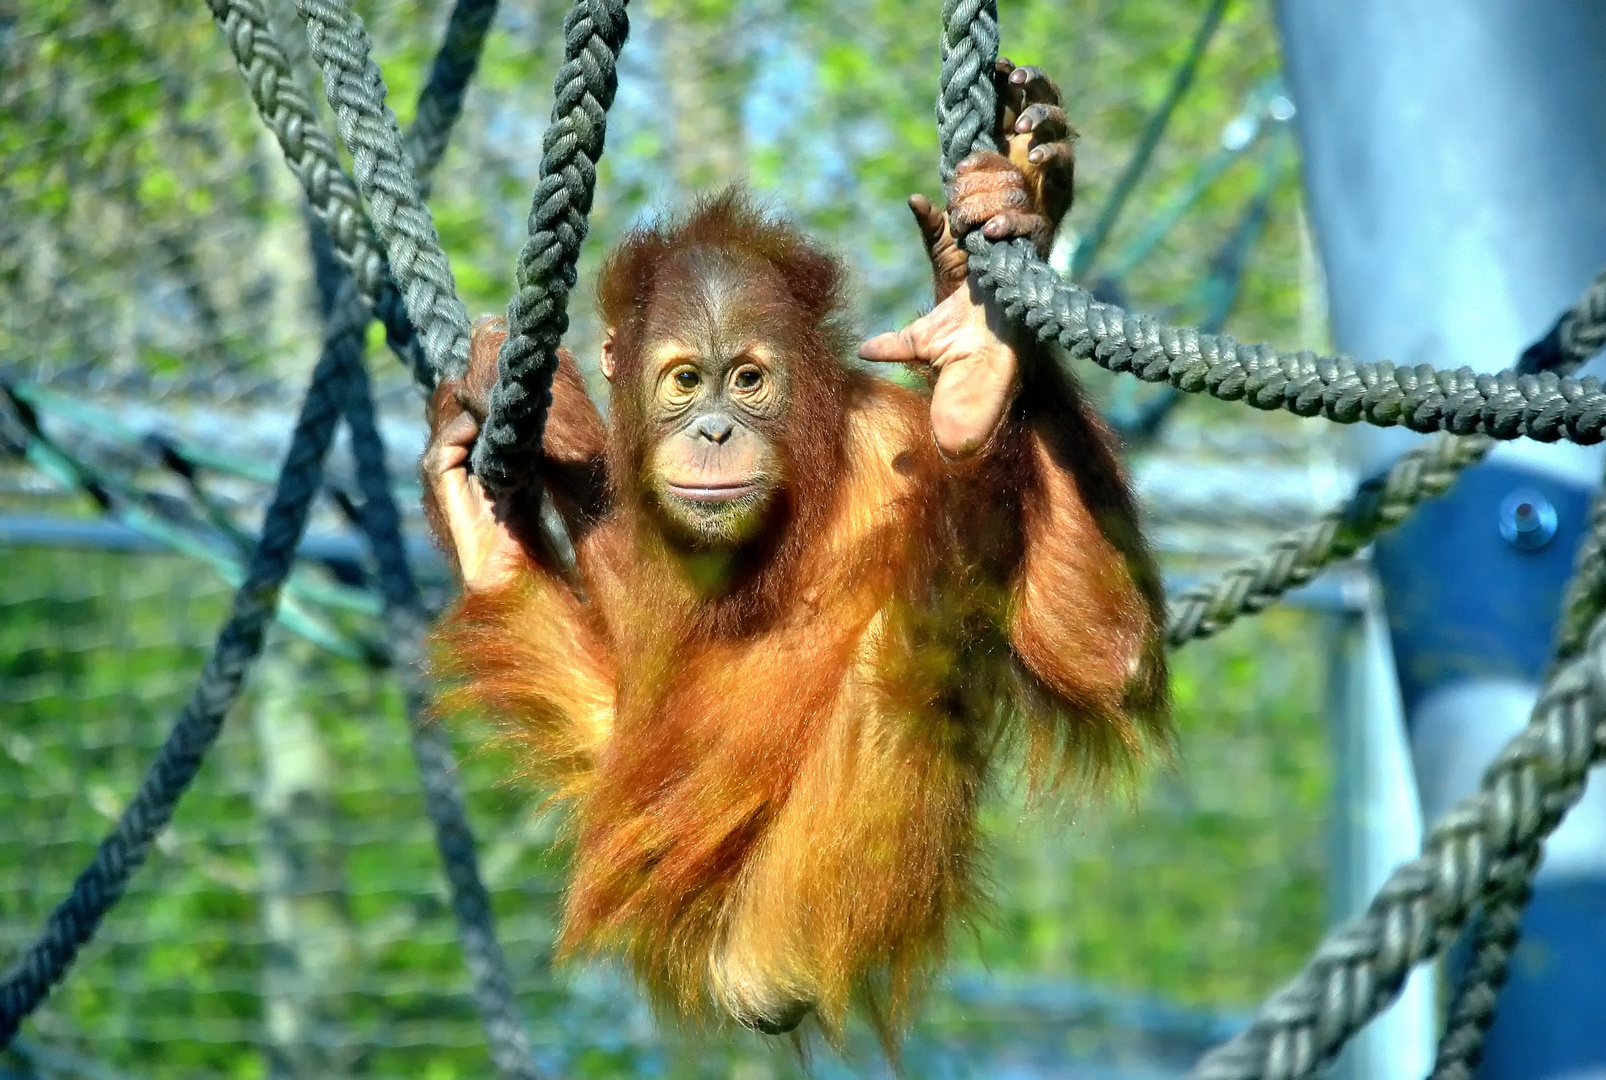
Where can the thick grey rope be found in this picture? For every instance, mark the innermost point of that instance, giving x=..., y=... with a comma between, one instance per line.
x=1586, y=591
x=120, y=854
x=1360, y=968
x=967, y=103
x=1477, y=998
x=356, y=92
x=311, y=155
x=101, y=885
x=407, y=622
x=509, y=443
x=966, y=98
x=1504, y=405
x=1423, y=472
x=439, y=105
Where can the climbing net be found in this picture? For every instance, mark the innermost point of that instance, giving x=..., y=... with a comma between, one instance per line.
x=380, y=258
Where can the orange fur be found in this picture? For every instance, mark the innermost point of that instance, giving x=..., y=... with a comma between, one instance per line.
x=775, y=790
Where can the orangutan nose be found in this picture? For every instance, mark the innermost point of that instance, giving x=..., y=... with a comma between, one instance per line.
x=716, y=428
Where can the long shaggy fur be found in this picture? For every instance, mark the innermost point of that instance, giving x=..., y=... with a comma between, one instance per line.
x=775, y=787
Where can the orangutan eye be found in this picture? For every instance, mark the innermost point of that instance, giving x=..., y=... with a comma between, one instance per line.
x=686, y=380
x=748, y=379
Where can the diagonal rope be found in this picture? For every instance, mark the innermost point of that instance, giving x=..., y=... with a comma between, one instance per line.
x=509, y=443
x=1359, y=969
x=407, y=623
x=310, y=153
x=1499, y=927
x=311, y=156
x=1293, y=559
x=441, y=101
x=356, y=92
x=406, y=620
x=405, y=617
x=1091, y=245
x=1477, y=997
x=122, y=852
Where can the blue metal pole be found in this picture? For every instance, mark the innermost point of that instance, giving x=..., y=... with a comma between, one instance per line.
x=1455, y=167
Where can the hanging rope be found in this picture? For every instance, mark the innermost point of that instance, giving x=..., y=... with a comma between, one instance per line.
x=967, y=100
x=405, y=617
x=509, y=443
x=441, y=101
x=312, y=157
x=407, y=623
x=356, y=92
x=239, y=643
x=1033, y=294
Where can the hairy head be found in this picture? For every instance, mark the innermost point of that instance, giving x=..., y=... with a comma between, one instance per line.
x=724, y=349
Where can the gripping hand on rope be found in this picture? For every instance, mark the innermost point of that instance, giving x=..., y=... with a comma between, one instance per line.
x=1023, y=192
x=487, y=538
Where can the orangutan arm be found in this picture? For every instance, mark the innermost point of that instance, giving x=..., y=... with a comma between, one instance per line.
x=1087, y=609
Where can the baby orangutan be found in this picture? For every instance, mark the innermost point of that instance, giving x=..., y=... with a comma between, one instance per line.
x=809, y=608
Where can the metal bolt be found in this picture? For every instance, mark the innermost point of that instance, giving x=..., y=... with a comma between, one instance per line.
x=1527, y=520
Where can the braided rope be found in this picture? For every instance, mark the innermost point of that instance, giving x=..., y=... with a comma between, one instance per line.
x=1504, y=405
x=1360, y=968
x=1423, y=472
x=407, y=622
x=307, y=148
x=101, y=885
x=1582, y=331
x=968, y=100
x=1586, y=590
x=122, y=852
x=509, y=442
x=1477, y=998
x=311, y=155
x=441, y=101
x=356, y=92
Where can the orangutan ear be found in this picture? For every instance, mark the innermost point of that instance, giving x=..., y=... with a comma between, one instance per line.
x=607, y=362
